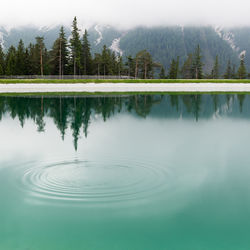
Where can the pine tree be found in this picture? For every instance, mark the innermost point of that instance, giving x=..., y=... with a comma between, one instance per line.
x=20, y=59
x=76, y=47
x=107, y=62
x=27, y=63
x=40, y=47
x=242, y=69
x=86, y=55
x=197, y=66
x=33, y=59
x=59, y=55
x=234, y=75
x=186, y=70
x=130, y=64
x=215, y=70
x=97, y=62
x=2, y=62
x=144, y=65
x=162, y=73
x=174, y=69
x=11, y=61
x=229, y=73
x=119, y=66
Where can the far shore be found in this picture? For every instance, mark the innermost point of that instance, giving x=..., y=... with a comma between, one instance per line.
x=125, y=88
x=120, y=81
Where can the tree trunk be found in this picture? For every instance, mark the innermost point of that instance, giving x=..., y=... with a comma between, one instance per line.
x=41, y=61
x=136, y=68
x=74, y=66
x=60, y=59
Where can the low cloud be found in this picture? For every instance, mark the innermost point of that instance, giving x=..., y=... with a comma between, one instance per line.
x=126, y=14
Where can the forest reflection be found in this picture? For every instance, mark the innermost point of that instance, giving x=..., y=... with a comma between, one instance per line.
x=76, y=112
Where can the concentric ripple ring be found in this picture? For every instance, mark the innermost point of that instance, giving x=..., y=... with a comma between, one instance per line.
x=94, y=181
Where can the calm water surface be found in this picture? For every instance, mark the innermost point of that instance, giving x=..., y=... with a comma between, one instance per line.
x=125, y=172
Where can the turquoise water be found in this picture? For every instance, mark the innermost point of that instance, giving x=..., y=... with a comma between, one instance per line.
x=125, y=172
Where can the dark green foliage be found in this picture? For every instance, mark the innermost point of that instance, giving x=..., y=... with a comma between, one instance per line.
x=1, y=61
x=40, y=53
x=162, y=74
x=174, y=69
x=106, y=62
x=76, y=49
x=186, y=70
x=197, y=65
x=20, y=59
x=234, y=75
x=143, y=65
x=229, y=72
x=242, y=68
x=215, y=70
x=97, y=62
x=166, y=43
x=59, y=55
x=11, y=62
x=130, y=66
x=86, y=58
x=161, y=44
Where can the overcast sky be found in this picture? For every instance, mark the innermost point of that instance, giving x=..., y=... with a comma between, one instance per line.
x=125, y=13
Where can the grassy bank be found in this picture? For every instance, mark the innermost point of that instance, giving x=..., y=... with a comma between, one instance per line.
x=16, y=81
x=114, y=94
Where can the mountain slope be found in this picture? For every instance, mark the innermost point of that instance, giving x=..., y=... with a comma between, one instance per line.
x=164, y=43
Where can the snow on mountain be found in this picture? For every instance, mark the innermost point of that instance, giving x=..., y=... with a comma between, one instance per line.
x=115, y=46
x=229, y=38
x=98, y=30
x=243, y=53
x=1, y=39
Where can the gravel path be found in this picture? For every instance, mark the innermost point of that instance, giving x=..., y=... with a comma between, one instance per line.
x=125, y=87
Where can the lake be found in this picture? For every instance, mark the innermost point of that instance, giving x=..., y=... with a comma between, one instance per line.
x=135, y=172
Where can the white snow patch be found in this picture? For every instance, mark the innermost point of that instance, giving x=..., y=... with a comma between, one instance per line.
x=115, y=46
x=243, y=53
x=1, y=39
x=228, y=37
x=98, y=30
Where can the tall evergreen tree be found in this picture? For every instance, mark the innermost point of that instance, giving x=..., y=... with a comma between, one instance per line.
x=2, y=61
x=162, y=73
x=33, y=59
x=40, y=47
x=215, y=70
x=229, y=72
x=59, y=55
x=144, y=65
x=27, y=63
x=130, y=65
x=86, y=55
x=76, y=48
x=197, y=66
x=20, y=59
x=174, y=69
x=118, y=66
x=97, y=63
x=186, y=70
x=234, y=75
x=11, y=61
x=106, y=68
x=242, y=68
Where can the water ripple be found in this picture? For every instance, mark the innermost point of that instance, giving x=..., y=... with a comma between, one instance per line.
x=94, y=181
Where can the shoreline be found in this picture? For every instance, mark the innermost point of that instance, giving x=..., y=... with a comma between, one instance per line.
x=123, y=87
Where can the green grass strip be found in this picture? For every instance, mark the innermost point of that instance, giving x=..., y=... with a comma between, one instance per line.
x=53, y=81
